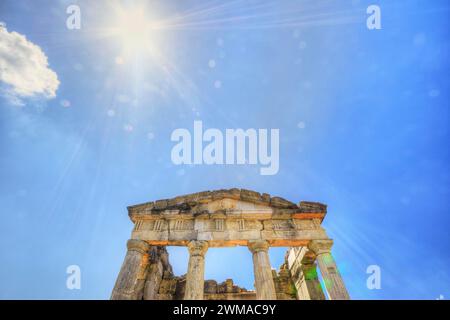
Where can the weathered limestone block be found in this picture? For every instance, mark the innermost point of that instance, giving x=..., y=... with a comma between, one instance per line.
x=284, y=287
x=251, y=196
x=182, y=230
x=265, y=288
x=222, y=288
x=168, y=286
x=150, y=235
x=312, y=283
x=196, y=270
x=231, y=193
x=244, y=229
x=278, y=224
x=181, y=288
x=164, y=296
x=161, y=204
x=167, y=275
x=130, y=282
x=248, y=295
x=305, y=224
x=221, y=230
x=156, y=229
x=292, y=237
x=158, y=267
x=144, y=207
x=293, y=259
x=210, y=286
x=178, y=224
x=229, y=285
x=204, y=196
x=265, y=198
x=282, y=203
x=154, y=277
x=333, y=282
x=307, y=206
x=226, y=291
x=304, y=274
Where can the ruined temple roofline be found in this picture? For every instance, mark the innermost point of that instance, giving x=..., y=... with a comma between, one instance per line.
x=228, y=218
x=186, y=202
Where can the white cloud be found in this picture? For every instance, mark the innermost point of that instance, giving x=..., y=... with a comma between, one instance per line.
x=24, y=67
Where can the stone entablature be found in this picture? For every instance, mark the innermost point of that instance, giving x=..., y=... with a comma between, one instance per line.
x=189, y=203
x=226, y=218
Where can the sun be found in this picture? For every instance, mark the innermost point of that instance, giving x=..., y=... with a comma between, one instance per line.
x=134, y=29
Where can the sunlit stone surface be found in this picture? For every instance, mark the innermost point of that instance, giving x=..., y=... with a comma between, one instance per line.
x=227, y=218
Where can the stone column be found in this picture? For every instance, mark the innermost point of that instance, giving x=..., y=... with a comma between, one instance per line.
x=302, y=266
x=265, y=287
x=157, y=264
x=130, y=282
x=195, y=278
x=333, y=282
x=312, y=282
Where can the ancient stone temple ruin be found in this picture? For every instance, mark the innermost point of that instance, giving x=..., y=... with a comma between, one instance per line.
x=227, y=218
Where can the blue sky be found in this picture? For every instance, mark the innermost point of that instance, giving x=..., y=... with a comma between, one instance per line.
x=363, y=118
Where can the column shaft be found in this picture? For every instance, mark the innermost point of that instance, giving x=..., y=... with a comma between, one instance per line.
x=154, y=277
x=312, y=282
x=331, y=277
x=195, y=278
x=130, y=281
x=265, y=287
x=333, y=282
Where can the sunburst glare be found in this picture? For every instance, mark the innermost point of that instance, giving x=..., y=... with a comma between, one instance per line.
x=134, y=30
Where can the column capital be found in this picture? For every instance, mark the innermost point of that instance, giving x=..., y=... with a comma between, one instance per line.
x=309, y=258
x=197, y=247
x=320, y=246
x=258, y=245
x=138, y=245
